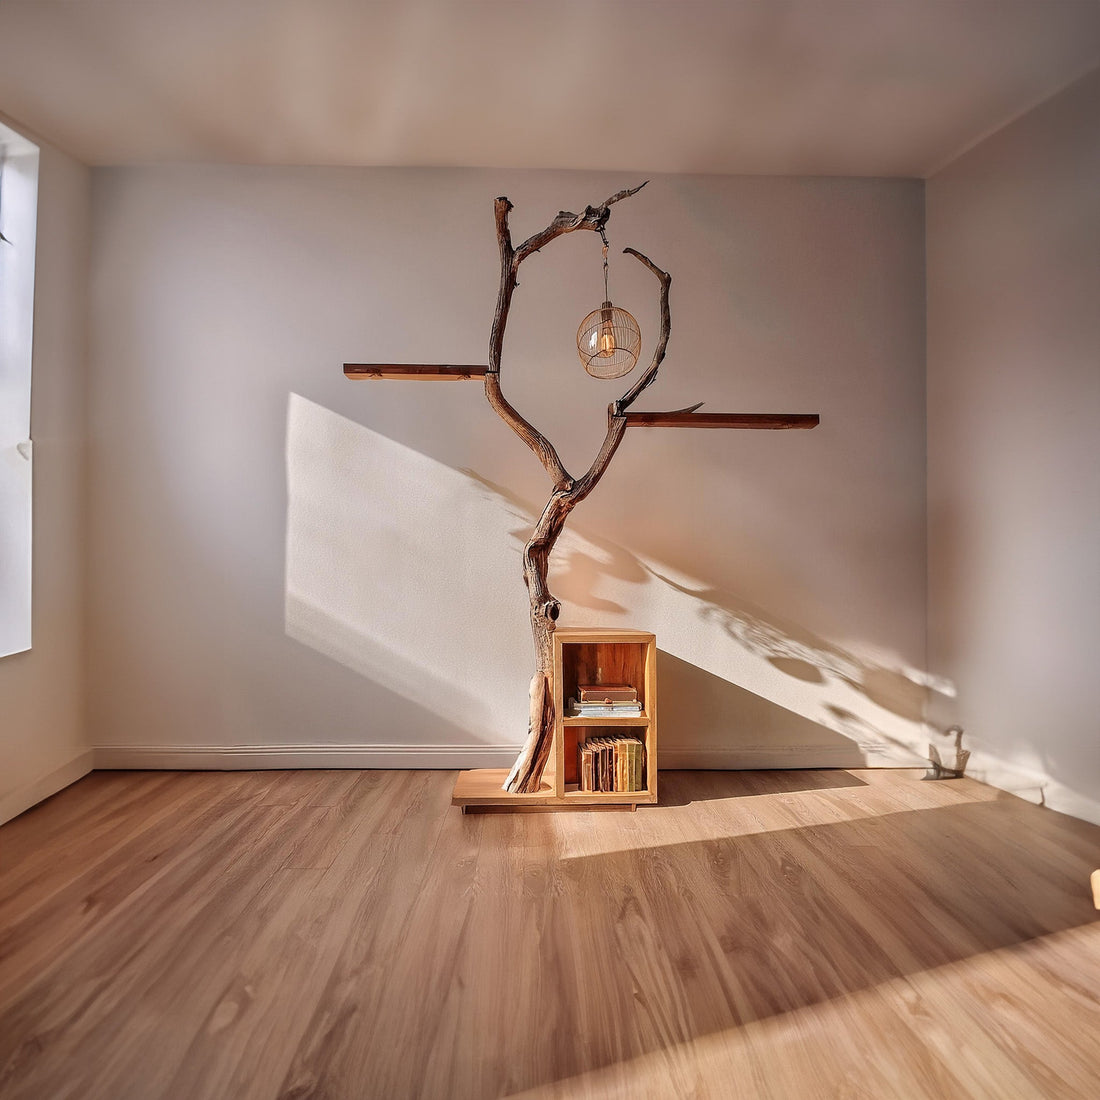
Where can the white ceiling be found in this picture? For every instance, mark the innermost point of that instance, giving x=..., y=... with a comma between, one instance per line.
x=837, y=87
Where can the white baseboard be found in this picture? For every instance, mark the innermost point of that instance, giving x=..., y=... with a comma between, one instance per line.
x=261, y=757
x=445, y=757
x=14, y=803
x=1033, y=786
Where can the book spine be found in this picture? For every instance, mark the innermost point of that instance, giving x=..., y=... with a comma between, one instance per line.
x=604, y=712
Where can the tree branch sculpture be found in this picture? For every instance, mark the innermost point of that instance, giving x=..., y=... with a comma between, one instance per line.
x=566, y=493
x=526, y=772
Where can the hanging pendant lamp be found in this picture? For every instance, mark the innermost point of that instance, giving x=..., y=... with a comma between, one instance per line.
x=608, y=340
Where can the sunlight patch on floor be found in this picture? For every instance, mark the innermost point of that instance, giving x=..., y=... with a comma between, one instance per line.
x=745, y=814
x=822, y=1051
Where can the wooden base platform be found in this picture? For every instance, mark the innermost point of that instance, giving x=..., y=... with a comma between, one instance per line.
x=481, y=791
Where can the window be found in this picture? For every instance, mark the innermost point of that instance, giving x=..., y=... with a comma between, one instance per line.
x=18, y=219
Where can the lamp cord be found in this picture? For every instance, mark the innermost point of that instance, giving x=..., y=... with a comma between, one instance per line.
x=603, y=237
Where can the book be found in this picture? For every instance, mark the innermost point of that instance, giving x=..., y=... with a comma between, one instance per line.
x=603, y=710
x=584, y=767
x=611, y=763
x=614, y=704
x=606, y=693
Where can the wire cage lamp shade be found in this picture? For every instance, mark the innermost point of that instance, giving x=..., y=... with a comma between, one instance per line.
x=608, y=342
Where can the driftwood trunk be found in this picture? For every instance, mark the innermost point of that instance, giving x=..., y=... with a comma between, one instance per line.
x=526, y=773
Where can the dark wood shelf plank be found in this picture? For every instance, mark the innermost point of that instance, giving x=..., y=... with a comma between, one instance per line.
x=765, y=421
x=422, y=372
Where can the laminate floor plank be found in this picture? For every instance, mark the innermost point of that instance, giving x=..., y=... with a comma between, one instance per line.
x=291, y=788
x=352, y=1042
x=334, y=821
x=503, y=980
x=351, y=936
x=163, y=932
x=73, y=821
x=621, y=910
x=97, y=834
x=248, y=1040
x=63, y=918
x=222, y=922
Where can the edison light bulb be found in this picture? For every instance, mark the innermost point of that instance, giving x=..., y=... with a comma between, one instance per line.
x=607, y=340
x=607, y=333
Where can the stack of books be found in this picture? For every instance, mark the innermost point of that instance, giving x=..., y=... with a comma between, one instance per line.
x=611, y=763
x=605, y=701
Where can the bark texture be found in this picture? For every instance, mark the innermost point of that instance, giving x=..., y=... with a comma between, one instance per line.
x=567, y=492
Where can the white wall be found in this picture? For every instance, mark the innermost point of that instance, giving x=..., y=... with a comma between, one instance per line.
x=1014, y=469
x=376, y=615
x=43, y=742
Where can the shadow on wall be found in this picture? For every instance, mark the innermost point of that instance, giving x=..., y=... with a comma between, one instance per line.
x=878, y=707
x=408, y=572
x=744, y=730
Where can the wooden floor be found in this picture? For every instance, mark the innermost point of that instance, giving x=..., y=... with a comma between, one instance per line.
x=781, y=935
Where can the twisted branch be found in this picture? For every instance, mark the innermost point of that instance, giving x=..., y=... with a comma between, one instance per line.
x=594, y=217
x=662, y=343
x=544, y=450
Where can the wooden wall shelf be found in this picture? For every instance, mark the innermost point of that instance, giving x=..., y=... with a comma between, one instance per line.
x=423, y=372
x=581, y=655
x=765, y=421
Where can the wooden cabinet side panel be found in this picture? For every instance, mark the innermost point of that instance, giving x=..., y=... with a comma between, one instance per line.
x=558, y=753
x=651, y=710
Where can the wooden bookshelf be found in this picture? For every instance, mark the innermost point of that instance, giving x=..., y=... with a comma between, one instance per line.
x=581, y=655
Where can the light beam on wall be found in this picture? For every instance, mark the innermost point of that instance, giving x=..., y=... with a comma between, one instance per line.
x=408, y=571
x=400, y=569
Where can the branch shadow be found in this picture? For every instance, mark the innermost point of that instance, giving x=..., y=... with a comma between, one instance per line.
x=743, y=729
x=583, y=566
x=759, y=684
x=797, y=652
